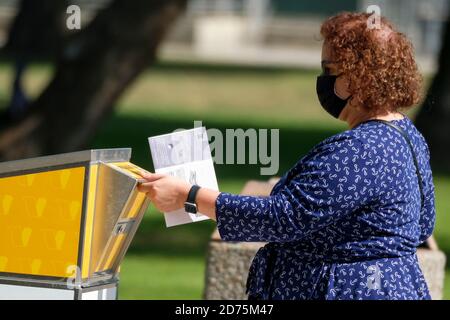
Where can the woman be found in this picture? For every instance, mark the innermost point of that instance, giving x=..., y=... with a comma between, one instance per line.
x=345, y=221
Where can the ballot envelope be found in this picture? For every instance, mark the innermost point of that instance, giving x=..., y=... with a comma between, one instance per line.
x=67, y=221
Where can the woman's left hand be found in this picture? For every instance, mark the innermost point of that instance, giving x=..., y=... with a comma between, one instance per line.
x=166, y=192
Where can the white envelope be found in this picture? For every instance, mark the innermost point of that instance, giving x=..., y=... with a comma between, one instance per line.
x=184, y=154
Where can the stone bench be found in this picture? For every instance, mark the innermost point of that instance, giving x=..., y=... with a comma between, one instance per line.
x=228, y=262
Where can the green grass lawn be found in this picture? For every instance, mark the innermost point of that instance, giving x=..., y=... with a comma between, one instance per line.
x=170, y=263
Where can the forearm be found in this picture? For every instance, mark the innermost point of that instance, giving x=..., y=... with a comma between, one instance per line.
x=206, y=202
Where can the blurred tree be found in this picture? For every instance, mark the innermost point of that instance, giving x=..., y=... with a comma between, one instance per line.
x=94, y=68
x=36, y=33
x=434, y=116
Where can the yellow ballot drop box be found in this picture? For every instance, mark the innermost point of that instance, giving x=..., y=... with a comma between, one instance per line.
x=66, y=223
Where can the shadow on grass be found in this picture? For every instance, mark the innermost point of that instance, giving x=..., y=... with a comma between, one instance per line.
x=221, y=69
x=180, y=241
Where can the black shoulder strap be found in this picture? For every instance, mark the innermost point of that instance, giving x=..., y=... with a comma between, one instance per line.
x=416, y=163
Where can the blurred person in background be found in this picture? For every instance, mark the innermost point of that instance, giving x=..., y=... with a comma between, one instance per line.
x=346, y=220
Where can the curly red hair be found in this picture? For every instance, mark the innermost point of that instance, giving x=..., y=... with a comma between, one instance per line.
x=378, y=62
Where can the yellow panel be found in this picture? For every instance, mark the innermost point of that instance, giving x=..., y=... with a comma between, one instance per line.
x=89, y=221
x=136, y=206
x=40, y=215
x=132, y=169
x=113, y=253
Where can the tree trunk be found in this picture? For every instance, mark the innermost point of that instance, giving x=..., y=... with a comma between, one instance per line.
x=96, y=66
x=433, y=119
x=37, y=30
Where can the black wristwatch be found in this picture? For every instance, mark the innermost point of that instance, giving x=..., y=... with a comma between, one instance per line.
x=190, y=205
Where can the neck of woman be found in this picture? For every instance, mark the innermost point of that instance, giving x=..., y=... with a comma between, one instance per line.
x=354, y=116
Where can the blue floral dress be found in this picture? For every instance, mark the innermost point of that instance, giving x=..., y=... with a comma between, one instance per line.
x=343, y=223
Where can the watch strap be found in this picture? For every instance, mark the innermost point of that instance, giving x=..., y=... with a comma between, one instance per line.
x=192, y=194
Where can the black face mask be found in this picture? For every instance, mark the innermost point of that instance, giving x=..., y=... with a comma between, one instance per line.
x=327, y=95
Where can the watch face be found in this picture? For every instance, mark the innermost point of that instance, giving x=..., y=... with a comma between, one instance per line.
x=190, y=207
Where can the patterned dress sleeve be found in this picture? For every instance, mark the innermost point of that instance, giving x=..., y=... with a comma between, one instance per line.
x=332, y=181
x=428, y=213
